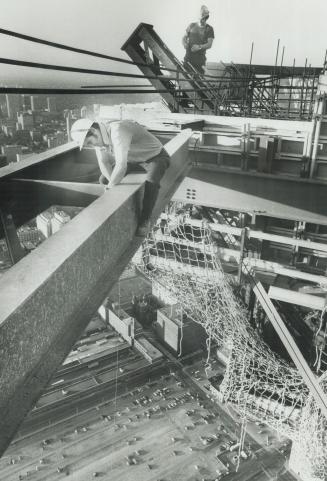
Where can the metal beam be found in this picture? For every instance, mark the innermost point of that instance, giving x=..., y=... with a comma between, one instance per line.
x=256, y=234
x=284, y=71
x=298, y=298
x=273, y=267
x=225, y=254
x=279, y=239
x=232, y=256
x=260, y=194
x=309, y=378
x=48, y=297
x=194, y=89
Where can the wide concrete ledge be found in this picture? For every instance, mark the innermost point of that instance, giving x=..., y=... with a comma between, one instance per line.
x=48, y=297
x=37, y=159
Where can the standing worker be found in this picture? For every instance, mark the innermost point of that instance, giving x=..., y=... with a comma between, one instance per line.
x=120, y=143
x=197, y=39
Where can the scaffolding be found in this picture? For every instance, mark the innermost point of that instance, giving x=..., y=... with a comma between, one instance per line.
x=245, y=90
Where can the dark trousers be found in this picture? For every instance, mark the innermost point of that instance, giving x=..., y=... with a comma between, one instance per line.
x=156, y=167
x=197, y=61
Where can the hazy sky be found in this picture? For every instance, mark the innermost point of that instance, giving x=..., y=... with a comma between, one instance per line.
x=104, y=25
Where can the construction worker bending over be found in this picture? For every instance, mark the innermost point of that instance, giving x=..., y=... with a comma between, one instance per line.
x=119, y=143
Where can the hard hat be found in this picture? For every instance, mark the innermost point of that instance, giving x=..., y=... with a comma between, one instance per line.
x=204, y=11
x=80, y=129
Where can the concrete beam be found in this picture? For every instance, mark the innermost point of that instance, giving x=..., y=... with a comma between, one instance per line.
x=36, y=160
x=48, y=297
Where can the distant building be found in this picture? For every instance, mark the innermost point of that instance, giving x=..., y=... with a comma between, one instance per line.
x=26, y=102
x=36, y=135
x=11, y=151
x=148, y=350
x=9, y=130
x=121, y=322
x=24, y=156
x=143, y=309
x=10, y=122
x=13, y=105
x=103, y=311
x=43, y=223
x=37, y=103
x=8, y=127
x=180, y=333
x=162, y=293
x=29, y=236
x=58, y=220
x=68, y=119
x=51, y=104
x=25, y=120
x=23, y=137
x=3, y=161
x=56, y=140
x=76, y=113
x=84, y=112
x=215, y=382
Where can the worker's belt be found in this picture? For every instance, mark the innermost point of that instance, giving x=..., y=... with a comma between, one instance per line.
x=163, y=153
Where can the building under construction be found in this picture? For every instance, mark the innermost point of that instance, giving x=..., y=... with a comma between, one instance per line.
x=242, y=248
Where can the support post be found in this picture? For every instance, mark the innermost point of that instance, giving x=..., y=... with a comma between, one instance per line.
x=242, y=247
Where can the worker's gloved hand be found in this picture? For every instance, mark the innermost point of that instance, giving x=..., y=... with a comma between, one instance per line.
x=196, y=48
x=103, y=180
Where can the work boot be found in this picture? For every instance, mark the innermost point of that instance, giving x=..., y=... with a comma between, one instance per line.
x=151, y=192
x=143, y=228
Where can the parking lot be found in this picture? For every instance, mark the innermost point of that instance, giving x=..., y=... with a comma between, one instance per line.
x=160, y=431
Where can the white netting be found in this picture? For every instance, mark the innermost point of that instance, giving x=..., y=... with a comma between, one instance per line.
x=183, y=258
x=312, y=432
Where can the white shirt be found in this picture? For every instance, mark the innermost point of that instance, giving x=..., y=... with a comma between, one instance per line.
x=128, y=141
